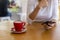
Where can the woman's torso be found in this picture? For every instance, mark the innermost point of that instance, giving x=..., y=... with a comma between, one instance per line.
x=45, y=13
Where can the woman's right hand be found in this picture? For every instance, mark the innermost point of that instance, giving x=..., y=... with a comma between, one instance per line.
x=43, y=3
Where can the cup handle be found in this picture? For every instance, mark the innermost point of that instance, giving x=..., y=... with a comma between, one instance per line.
x=12, y=29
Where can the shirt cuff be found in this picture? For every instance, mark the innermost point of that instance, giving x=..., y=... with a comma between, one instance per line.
x=29, y=20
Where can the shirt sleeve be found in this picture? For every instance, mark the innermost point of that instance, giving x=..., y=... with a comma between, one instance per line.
x=55, y=10
x=31, y=6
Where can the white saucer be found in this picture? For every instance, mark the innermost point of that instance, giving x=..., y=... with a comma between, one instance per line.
x=23, y=31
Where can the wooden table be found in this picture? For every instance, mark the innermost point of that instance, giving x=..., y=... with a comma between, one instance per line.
x=34, y=32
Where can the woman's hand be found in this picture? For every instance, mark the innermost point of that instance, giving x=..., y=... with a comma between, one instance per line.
x=43, y=3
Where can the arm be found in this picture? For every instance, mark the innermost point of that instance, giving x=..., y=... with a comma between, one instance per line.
x=34, y=13
x=36, y=10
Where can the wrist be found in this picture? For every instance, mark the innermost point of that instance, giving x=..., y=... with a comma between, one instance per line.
x=39, y=6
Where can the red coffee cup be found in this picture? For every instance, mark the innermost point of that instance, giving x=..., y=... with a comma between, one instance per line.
x=18, y=26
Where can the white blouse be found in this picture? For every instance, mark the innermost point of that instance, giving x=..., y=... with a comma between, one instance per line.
x=45, y=14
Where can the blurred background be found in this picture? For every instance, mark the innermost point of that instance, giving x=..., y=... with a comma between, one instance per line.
x=59, y=9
